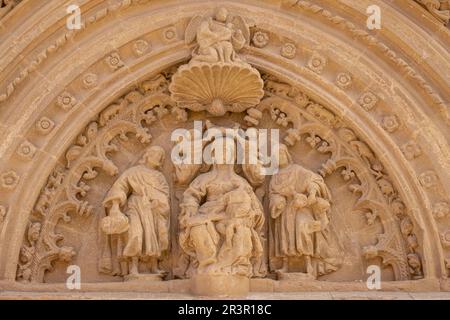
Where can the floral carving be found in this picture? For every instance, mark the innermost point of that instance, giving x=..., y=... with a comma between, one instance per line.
x=445, y=238
x=45, y=125
x=441, y=210
x=390, y=123
x=323, y=114
x=260, y=39
x=288, y=50
x=181, y=115
x=170, y=34
x=302, y=100
x=411, y=150
x=65, y=254
x=317, y=62
x=114, y=61
x=428, y=179
x=253, y=116
x=66, y=101
x=140, y=47
x=344, y=80
x=26, y=150
x=371, y=217
x=368, y=100
x=292, y=137
x=9, y=180
x=279, y=117
x=90, y=80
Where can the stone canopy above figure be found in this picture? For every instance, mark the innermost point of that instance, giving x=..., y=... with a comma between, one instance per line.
x=217, y=79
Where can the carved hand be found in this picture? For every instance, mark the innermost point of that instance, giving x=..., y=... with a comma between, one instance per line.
x=115, y=206
x=186, y=214
x=189, y=211
x=279, y=207
x=314, y=226
x=197, y=220
x=300, y=201
x=155, y=203
x=312, y=197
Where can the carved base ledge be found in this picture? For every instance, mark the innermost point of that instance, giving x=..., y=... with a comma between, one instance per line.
x=220, y=285
x=143, y=277
x=256, y=285
x=295, y=276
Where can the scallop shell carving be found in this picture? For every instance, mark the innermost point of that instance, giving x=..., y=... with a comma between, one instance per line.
x=217, y=88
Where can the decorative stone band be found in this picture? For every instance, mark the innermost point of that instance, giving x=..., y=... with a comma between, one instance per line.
x=60, y=42
x=438, y=9
x=6, y=6
x=372, y=41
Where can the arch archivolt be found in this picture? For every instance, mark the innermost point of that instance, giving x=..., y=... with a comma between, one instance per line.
x=79, y=106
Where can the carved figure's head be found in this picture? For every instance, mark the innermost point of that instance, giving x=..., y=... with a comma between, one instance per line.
x=413, y=260
x=33, y=232
x=222, y=151
x=153, y=157
x=221, y=15
x=284, y=156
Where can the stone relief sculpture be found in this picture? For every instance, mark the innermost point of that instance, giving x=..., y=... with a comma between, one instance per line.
x=218, y=38
x=217, y=79
x=137, y=220
x=28, y=251
x=221, y=212
x=440, y=9
x=299, y=204
x=6, y=6
x=220, y=223
x=221, y=208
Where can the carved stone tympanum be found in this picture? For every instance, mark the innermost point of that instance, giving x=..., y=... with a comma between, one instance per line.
x=126, y=146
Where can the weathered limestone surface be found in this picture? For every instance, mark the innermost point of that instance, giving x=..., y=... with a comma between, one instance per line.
x=88, y=180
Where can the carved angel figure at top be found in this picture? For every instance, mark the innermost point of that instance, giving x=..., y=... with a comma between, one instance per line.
x=218, y=39
x=217, y=79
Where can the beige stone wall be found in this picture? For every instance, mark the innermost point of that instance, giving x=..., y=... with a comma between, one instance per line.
x=367, y=110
